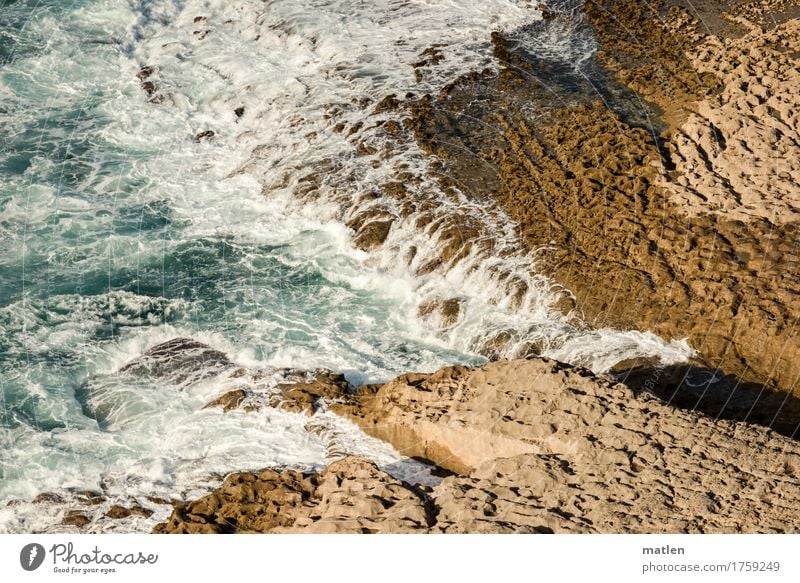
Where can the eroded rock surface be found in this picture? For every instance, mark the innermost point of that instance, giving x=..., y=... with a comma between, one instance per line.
x=539, y=446
x=350, y=495
x=679, y=219
x=738, y=154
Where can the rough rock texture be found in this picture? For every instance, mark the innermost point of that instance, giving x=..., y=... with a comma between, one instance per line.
x=594, y=185
x=540, y=447
x=306, y=389
x=738, y=154
x=441, y=314
x=648, y=57
x=184, y=361
x=350, y=495
x=554, y=448
x=632, y=257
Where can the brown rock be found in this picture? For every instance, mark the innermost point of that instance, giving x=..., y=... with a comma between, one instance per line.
x=540, y=447
x=48, y=498
x=145, y=72
x=598, y=193
x=179, y=360
x=544, y=447
x=75, y=518
x=117, y=512
x=301, y=396
x=445, y=313
x=228, y=401
x=372, y=234
x=89, y=497
x=388, y=103
x=350, y=495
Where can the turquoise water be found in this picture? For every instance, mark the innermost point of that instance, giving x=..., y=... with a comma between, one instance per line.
x=114, y=240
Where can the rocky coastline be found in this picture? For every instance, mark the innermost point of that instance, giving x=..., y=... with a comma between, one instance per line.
x=528, y=446
x=665, y=189
x=669, y=202
x=664, y=192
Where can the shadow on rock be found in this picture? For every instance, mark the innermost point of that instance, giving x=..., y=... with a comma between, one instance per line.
x=716, y=394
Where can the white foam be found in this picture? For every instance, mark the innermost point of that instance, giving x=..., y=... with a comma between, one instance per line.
x=299, y=71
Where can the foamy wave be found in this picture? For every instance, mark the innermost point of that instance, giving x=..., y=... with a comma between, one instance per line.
x=309, y=134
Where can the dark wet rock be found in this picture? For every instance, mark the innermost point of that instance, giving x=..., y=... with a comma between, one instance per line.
x=204, y=135
x=301, y=396
x=372, y=235
x=239, y=112
x=299, y=392
x=89, y=497
x=179, y=360
x=228, y=401
x=145, y=76
x=371, y=227
x=76, y=518
x=447, y=312
x=387, y=104
x=118, y=512
x=48, y=498
x=530, y=349
x=160, y=501
x=145, y=72
x=498, y=344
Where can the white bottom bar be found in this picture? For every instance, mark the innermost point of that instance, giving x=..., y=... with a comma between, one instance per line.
x=375, y=559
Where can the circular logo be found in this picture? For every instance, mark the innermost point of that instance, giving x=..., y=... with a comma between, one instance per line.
x=31, y=556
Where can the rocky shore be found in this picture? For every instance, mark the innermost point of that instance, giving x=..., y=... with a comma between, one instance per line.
x=661, y=186
x=530, y=446
x=665, y=190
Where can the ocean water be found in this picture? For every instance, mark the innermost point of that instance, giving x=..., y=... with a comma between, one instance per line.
x=120, y=230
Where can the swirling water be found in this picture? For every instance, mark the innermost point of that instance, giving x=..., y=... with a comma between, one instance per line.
x=121, y=230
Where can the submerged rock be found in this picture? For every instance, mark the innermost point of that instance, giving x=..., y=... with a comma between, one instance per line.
x=300, y=396
x=75, y=518
x=443, y=313
x=295, y=390
x=204, y=135
x=118, y=512
x=179, y=360
x=145, y=72
x=228, y=401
